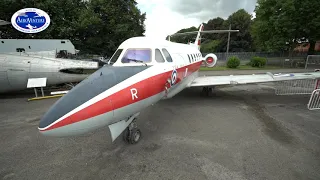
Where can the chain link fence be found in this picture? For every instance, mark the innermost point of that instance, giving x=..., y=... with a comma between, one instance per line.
x=282, y=59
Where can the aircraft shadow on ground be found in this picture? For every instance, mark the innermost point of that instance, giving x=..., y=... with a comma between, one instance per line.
x=263, y=95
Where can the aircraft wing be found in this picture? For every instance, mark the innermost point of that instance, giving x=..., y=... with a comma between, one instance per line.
x=247, y=79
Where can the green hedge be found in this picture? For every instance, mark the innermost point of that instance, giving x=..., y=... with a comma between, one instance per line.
x=233, y=62
x=258, y=61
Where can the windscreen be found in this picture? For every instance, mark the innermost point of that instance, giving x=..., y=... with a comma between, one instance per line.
x=115, y=56
x=134, y=55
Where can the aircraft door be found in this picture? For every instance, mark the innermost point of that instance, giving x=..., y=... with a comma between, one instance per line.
x=18, y=73
x=4, y=83
x=18, y=79
x=153, y=90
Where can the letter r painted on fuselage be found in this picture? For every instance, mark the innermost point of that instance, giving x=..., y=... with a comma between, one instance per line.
x=134, y=93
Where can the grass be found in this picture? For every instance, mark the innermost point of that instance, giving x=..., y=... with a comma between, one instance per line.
x=241, y=67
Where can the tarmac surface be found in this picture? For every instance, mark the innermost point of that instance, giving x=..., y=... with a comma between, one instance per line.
x=241, y=132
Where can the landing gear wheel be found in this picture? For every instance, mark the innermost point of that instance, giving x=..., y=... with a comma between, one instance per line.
x=135, y=136
x=126, y=135
x=207, y=91
x=210, y=91
x=132, y=134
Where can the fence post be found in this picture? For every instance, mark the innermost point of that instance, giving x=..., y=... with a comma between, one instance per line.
x=305, y=67
x=228, y=43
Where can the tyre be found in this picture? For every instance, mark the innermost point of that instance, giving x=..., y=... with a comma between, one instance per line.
x=125, y=135
x=135, y=136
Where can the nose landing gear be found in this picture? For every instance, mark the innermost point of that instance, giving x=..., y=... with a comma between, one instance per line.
x=207, y=91
x=132, y=134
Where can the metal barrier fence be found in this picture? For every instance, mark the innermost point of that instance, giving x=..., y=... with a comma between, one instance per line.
x=313, y=60
x=304, y=86
x=282, y=59
x=223, y=56
x=314, y=102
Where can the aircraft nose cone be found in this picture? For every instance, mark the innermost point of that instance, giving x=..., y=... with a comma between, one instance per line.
x=70, y=101
x=67, y=104
x=53, y=122
x=48, y=118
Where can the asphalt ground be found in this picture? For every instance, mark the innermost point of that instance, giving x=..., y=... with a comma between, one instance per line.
x=241, y=132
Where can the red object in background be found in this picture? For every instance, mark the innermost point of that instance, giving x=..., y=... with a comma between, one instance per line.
x=304, y=47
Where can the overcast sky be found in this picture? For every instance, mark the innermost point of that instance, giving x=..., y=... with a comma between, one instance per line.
x=166, y=17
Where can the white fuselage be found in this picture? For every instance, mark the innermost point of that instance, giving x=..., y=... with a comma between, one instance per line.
x=16, y=69
x=171, y=67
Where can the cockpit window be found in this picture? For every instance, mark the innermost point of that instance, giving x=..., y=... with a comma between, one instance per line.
x=158, y=56
x=136, y=55
x=115, y=56
x=166, y=55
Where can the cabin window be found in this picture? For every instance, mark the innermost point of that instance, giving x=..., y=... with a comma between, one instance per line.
x=158, y=56
x=134, y=55
x=115, y=56
x=166, y=55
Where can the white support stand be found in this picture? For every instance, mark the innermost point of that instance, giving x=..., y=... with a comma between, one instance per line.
x=37, y=83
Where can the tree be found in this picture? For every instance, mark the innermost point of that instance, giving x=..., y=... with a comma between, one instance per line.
x=184, y=38
x=106, y=24
x=213, y=24
x=209, y=46
x=64, y=16
x=281, y=24
x=242, y=40
x=94, y=26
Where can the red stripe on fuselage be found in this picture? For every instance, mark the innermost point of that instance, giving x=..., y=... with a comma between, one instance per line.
x=145, y=88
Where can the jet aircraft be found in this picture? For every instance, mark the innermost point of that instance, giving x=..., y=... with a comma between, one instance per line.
x=15, y=70
x=142, y=72
x=21, y=59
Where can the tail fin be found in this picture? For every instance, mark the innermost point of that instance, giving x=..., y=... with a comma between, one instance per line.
x=197, y=42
